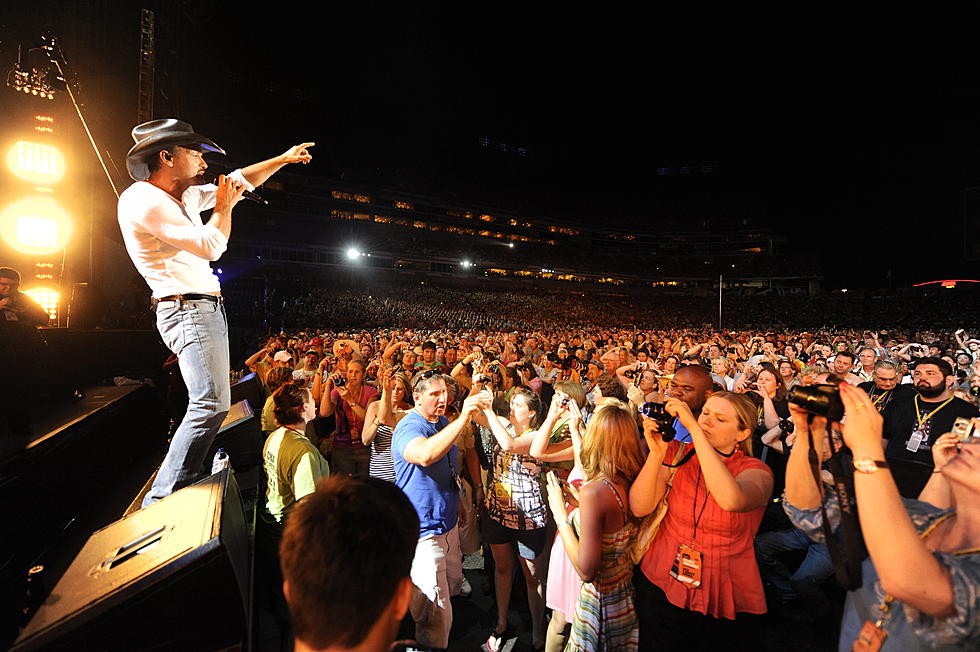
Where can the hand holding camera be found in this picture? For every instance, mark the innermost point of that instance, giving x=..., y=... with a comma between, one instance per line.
x=862, y=428
x=482, y=400
x=656, y=441
x=944, y=449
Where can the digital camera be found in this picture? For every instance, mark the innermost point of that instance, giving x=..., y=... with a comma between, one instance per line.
x=821, y=400
x=665, y=422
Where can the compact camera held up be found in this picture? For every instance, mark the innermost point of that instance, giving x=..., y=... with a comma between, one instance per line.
x=665, y=421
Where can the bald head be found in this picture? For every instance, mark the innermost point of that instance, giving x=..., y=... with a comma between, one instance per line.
x=691, y=384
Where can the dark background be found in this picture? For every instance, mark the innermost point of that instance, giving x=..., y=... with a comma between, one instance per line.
x=854, y=132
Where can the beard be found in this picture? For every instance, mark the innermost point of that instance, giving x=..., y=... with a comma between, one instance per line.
x=930, y=391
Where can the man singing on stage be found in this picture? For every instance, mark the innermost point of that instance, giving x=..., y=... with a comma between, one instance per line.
x=160, y=219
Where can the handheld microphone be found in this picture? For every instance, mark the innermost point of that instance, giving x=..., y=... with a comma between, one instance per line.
x=248, y=194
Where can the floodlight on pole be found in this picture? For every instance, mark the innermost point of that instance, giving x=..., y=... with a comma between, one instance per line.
x=36, y=162
x=36, y=226
x=47, y=298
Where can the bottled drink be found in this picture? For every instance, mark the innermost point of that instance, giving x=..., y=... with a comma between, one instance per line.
x=221, y=461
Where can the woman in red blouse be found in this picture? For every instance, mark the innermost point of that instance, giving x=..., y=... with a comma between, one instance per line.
x=700, y=571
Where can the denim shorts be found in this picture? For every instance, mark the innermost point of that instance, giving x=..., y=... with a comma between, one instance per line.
x=530, y=543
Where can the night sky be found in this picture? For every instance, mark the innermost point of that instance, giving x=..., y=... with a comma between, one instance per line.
x=852, y=133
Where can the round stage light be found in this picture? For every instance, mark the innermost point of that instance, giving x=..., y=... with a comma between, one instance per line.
x=36, y=226
x=353, y=253
x=47, y=298
x=36, y=162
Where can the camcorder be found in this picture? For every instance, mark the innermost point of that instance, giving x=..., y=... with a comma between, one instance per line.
x=665, y=422
x=821, y=400
x=824, y=400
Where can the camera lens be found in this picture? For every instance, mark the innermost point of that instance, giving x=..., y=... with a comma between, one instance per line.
x=821, y=400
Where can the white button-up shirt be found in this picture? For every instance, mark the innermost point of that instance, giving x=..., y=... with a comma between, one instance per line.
x=166, y=239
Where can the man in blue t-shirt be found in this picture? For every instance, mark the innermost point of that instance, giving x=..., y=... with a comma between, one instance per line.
x=423, y=449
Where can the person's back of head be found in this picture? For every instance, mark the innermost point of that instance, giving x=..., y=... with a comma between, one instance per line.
x=278, y=376
x=346, y=556
x=612, y=388
x=611, y=445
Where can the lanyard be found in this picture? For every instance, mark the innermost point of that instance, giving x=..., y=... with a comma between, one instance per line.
x=694, y=513
x=882, y=397
x=918, y=414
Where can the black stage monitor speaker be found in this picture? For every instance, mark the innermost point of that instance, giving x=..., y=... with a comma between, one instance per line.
x=241, y=437
x=249, y=388
x=172, y=576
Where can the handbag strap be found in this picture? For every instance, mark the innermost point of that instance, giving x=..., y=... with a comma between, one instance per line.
x=678, y=463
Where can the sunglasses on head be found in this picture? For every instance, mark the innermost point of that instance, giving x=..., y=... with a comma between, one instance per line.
x=425, y=375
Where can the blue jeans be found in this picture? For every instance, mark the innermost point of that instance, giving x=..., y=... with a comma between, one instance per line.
x=816, y=567
x=197, y=331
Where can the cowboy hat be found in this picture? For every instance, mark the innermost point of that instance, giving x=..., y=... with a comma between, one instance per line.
x=156, y=135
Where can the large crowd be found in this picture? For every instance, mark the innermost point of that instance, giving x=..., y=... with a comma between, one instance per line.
x=648, y=483
x=435, y=305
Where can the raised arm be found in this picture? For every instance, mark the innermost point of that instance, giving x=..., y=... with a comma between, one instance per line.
x=258, y=173
x=769, y=415
x=960, y=334
x=541, y=447
x=386, y=356
x=327, y=402
x=254, y=359
x=906, y=567
x=937, y=491
x=801, y=488
x=694, y=350
x=651, y=483
x=520, y=444
x=370, y=429
x=426, y=451
x=750, y=490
